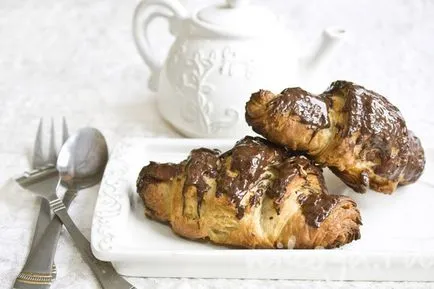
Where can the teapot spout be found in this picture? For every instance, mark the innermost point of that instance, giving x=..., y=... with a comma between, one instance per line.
x=331, y=39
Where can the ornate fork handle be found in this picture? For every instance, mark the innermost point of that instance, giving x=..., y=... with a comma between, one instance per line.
x=104, y=271
x=38, y=269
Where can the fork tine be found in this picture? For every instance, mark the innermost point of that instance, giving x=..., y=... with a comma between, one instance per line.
x=65, y=133
x=38, y=158
x=52, y=153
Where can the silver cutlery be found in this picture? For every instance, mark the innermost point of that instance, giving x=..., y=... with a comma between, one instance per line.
x=39, y=277
x=81, y=162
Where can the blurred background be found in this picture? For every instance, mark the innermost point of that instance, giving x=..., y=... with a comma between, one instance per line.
x=77, y=58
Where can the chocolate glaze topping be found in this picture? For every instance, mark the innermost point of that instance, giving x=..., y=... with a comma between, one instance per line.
x=201, y=163
x=243, y=168
x=416, y=160
x=316, y=207
x=156, y=173
x=311, y=109
x=368, y=123
x=249, y=160
x=290, y=168
x=383, y=133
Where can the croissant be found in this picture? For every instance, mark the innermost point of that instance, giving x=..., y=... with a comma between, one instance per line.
x=256, y=195
x=356, y=132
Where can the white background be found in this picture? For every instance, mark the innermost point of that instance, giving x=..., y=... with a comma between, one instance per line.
x=76, y=58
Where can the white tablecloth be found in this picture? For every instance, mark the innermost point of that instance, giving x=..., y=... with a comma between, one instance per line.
x=76, y=58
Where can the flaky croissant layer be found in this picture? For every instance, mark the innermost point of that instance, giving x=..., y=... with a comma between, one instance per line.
x=356, y=132
x=256, y=195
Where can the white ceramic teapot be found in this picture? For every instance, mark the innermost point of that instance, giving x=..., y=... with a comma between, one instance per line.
x=221, y=54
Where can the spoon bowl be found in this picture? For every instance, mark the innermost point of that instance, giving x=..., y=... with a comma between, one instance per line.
x=82, y=159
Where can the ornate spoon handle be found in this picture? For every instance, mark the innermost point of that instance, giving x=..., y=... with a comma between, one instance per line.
x=104, y=271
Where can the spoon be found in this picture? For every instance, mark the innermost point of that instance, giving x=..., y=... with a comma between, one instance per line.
x=41, y=257
x=81, y=163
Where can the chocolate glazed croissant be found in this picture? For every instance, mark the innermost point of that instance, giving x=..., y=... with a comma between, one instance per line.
x=356, y=132
x=253, y=196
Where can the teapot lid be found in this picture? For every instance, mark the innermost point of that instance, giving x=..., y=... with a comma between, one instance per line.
x=237, y=18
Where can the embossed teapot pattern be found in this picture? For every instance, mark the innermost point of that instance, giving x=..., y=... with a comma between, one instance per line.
x=221, y=54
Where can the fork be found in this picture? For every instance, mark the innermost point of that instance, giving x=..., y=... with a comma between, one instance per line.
x=39, y=270
x=82, y=163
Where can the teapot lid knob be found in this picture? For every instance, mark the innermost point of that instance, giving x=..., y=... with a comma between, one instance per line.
x=237, y=3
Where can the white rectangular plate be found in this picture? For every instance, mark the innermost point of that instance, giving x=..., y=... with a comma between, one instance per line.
x=397, y=240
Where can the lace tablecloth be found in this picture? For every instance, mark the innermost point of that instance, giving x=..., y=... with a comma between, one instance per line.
x=76, y=58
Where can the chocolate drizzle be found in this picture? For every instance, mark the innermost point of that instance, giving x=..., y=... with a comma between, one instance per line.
x=311, y=109
x=201, y=163
x=316, y=207
x=249, y=160
x=292, y=167
x=253, y=168
x=416, y=160
x=156, y=173
x=383, y=133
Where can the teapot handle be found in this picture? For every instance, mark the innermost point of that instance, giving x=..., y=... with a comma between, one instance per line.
x=145, y=13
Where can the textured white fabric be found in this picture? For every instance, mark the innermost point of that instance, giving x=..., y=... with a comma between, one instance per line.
x=76, y=58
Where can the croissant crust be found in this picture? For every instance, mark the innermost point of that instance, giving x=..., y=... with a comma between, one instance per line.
x=256, y=195
x=356, y=132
